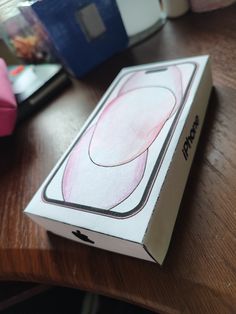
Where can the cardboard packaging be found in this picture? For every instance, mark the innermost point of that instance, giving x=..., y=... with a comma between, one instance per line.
x=119, y=185
x=83, y=33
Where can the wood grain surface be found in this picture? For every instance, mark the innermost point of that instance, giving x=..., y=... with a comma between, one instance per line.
x=199, y=273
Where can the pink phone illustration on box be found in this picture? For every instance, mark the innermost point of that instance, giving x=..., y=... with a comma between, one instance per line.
x=114, y=163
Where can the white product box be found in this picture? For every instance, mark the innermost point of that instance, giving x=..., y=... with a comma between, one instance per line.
x=119, y=185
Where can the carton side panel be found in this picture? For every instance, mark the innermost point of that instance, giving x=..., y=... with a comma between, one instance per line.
x=93, y=238
x=159, y=231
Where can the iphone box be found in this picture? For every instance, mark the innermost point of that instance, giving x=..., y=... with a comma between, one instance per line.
x=119, y=185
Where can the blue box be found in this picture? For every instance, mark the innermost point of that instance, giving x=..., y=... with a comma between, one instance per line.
x=84, y=33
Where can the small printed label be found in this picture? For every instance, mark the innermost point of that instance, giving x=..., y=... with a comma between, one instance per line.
x=90, y=21
x=190, y=138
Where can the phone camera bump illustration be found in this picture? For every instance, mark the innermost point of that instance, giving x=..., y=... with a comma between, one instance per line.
x=114, y=162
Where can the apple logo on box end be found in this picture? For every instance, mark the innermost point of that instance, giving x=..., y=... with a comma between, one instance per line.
x=82, y=236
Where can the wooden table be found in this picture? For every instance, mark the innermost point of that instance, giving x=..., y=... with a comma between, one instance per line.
x=199, y=274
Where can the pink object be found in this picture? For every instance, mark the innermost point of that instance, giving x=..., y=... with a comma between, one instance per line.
x=101, y=187
x=209, y=5
x=8, y=107
x=122, y=133
x=129, y=125
x=109, y=161
x=170, y=78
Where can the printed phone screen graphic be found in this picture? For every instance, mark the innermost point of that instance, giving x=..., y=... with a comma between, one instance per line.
x=114, y=163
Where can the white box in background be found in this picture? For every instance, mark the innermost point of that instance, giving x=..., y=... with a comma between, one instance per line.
x=119, y=185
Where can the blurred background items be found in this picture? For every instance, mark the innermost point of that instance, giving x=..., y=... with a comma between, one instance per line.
x=80, y=34
x=24, y=34
x=174, y=8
